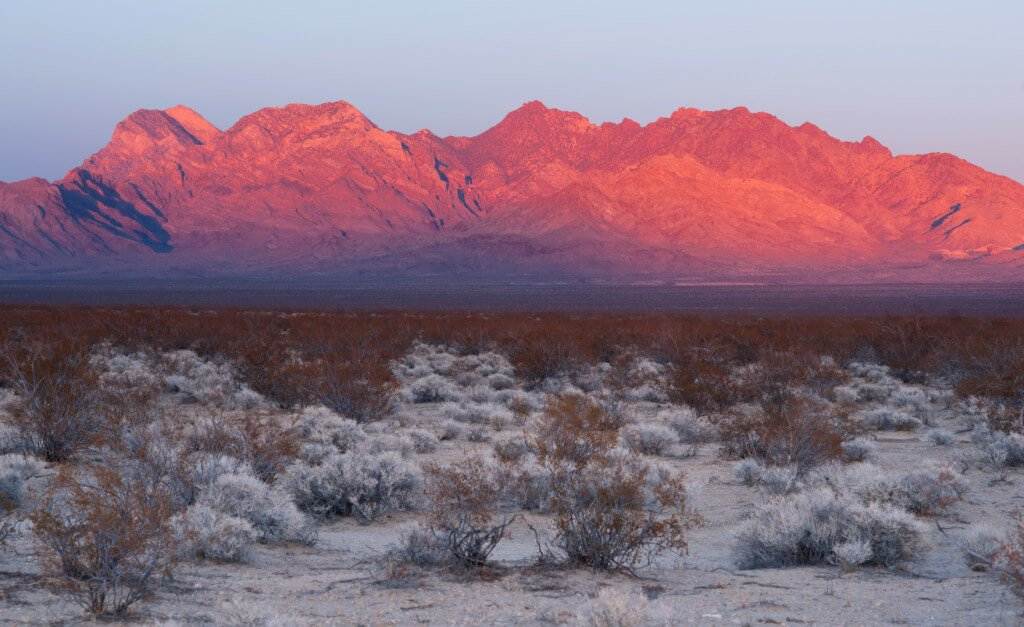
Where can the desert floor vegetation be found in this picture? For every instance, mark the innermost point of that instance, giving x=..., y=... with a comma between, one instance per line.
x=166, y=466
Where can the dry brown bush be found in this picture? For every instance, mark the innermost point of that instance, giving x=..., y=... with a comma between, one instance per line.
x=1010, y=558
x=59, y=407
x=702, y=382
x=464, y=510
x=105, y=536
x=261, y=439
x=984, y=355
x=786, y=429
x=608, y=517
x=575, y=430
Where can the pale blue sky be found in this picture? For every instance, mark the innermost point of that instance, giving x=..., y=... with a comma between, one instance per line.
x=918, y=75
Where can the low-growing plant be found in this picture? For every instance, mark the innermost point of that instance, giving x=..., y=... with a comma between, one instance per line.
x=271, y=513
x=858, y=449
x=452, y=430
x=691, y=428
x=649, y=439
x=322, y=432
x=889, y=419
x=806, y=528
x=1009, y=560
x=105, y=537
x=527, y=484
x=609, y=515
x=355, y=483
x=463, y=514
x=420, y=547
x=927, y=490
x=423, y=441
x=931, y=489
x=786, y=430
x=511, y=449
x=263, y=440
x=206, y=533
x=15, y=471
x=58, y=407
x=773, y=479
x=981, y=546
x=849, y=555
x=574, y=429
x=999, y=448
x=941, y=437
x=748, y=471
x=615, y=608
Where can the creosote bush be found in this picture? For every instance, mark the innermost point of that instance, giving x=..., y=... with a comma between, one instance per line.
x=785, y=430
x=59, y=407
x=610, y=515
x=1009, y=559
x=464, y=510
x=612, y=510
x=105, y=536
x=574, y=430
x=260, y=439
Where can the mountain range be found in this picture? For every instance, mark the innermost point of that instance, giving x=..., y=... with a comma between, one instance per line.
x=319, y=191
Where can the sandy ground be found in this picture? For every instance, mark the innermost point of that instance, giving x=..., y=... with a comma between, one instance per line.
x=340, y=580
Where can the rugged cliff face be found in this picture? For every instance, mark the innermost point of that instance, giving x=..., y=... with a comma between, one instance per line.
x=321, y=191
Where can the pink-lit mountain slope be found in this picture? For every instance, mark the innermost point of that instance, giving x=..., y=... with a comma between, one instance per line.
x=320, y=191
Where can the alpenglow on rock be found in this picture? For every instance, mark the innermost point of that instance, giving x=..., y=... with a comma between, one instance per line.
x=319, y=190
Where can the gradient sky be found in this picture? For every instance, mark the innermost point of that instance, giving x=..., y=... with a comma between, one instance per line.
x=919, y=76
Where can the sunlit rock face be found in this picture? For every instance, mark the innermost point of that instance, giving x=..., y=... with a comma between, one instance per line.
x=320, y=190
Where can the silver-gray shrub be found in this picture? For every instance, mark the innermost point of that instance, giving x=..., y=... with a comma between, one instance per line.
x=858, y=449
x=941, y=437
x=691, y=428
x=355, y=483
x=452, y=430
x=433, y=388
x=927, y=490
x=889, y=419
x=386, y=442
x=529, y=485
x=206, y=533
x=324, y=432
x=999, y=448
x=806, y=529
x=649, y=438
x=271, y=513
x=511, y=448
x=981, y=545
x=15, y=471
x=423, y=441
x=772, y=479
x=748, y=471
x=852, y=553
x=779, y=479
